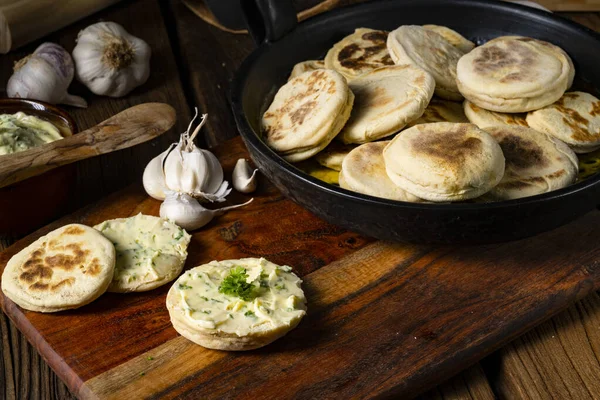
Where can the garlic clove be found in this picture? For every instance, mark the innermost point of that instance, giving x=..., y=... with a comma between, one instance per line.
x=154, y=178
x=45, y=75
x=188, y=213
x=216, y=176
x=244, y=179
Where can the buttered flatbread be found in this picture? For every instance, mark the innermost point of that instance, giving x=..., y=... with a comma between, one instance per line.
x=67, y=268
x=359, y=53
x=363, y=171
x=439, y=110
x=306, y=66
x=535, y=163
x=514, y=74
x=574, y=119
x=428, y=50
x=307, y=113
x=151, y=251
x=386, y=99
x=454, y=38
x=236, y=304
x=444, y=161
x=484, y=118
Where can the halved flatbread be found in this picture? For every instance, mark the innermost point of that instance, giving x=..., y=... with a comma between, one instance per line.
x=514, y=74
x=574, y=119
x=204, y=309
x=484, y=118
x=535, y=163
x=307, y=113
x=151, y=251
x=439, y=110
x=306, y=66
x=444, y=161
x=363, y=171
x=386, y=100
x=358, y=53
x=428, y=50
x=456, y=39
x=67, y=268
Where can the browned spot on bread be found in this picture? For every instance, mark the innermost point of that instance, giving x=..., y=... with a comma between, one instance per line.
x=521, y=153
x=36, y=272
x=68, y=261
x=595, y=109
x=420, y=80
x=74, y=230
x=94, y=268
x=452, y=148
x=298, y=116
x=494, y=58
x=64, y=282
x=356, y=57
x=39, y=286
x=557, y=174
x=576, y=122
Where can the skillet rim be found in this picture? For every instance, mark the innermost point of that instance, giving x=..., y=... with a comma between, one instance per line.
x=251, y=138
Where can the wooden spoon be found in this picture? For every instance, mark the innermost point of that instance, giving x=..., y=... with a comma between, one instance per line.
x=128, y=128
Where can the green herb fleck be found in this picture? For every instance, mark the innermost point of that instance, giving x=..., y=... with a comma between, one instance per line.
x=235, y=285
x=280, y=287
x=142, y=373
x=206, y=311
x=183, y=286
x=289, y=309
x=179, y=234
x=204, y=298
x=150, y=358
x=250, y=314
x=231, y=316
x=215, y=300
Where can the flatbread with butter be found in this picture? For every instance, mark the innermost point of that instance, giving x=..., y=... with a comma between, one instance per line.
x=236, y=304
x=151, y=251
x=67, y=268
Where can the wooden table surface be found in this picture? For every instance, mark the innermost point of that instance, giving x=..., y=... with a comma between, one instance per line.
x=192, y=65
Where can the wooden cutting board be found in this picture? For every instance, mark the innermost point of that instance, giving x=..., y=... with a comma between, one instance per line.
x=383, y=319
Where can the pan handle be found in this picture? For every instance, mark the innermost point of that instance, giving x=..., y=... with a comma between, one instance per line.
x=268, y=20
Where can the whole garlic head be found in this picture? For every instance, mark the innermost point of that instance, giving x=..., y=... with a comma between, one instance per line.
x=110, y=61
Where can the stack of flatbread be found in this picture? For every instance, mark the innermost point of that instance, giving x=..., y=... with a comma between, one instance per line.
x=436, y=118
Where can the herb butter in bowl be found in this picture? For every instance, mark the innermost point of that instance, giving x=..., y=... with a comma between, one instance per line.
x=29, y=204
x=236, y=304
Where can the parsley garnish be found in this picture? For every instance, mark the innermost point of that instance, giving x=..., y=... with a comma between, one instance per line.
x=179, y=235
x=183, y=286
x=235, y=285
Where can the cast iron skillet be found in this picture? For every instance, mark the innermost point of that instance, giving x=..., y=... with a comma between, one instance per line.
x=283, y=43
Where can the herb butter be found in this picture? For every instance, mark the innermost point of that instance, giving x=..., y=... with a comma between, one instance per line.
x=236, y=304
x=150, y=251
x=19, y=132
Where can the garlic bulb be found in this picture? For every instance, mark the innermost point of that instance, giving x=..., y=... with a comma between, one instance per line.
x=244, y=179
x=186, y=212
x=45, y=75
x=110, y=61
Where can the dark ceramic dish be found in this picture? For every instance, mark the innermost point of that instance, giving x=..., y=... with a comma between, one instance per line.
x=284, y=43
x=27, y=205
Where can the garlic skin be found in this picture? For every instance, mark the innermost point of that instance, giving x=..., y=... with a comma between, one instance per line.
x=187, y=212
x=110, y=61
x=45, y=75
x=244, y=179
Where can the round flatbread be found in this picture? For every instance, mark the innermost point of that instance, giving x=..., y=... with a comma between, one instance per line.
x=307, y=113
x=514, y=74
x=535, y=163
x=444, y=161
x=306, y=66
x=236, y=304
x=441, y=111
x=456, y=39
x=574, y=119
x=333, y=155
x=386, y=99
x=151, y=251
x=484, y=118
x=428, y=50
x=67, y=268
x=358, y=53
x=363, y=171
